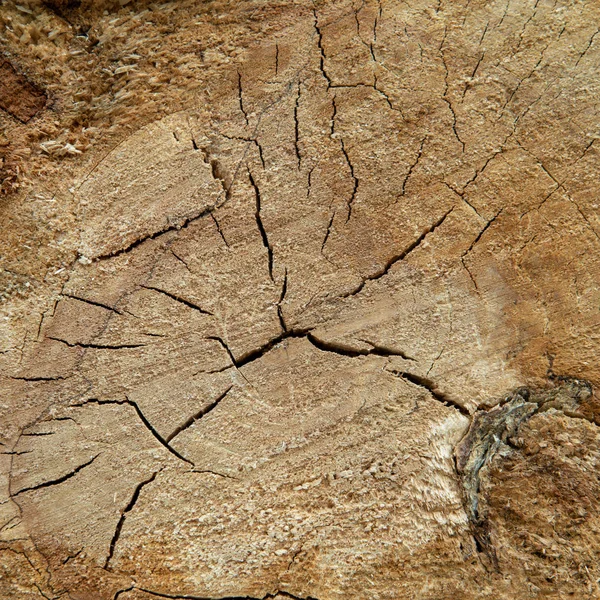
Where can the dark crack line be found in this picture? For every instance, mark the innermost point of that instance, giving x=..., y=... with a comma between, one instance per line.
x=252, y=140
x=480, y=234
x=183, y=262
x=259, y=352
x=379, y=350
x=373, y=86
x=333, y=115
x=201, y=413
x=218, y=176
x=260, y=225
x=209, y=472
x=281, y=299
x=584, y=52
x=93, y=303
x=309, y=181
x=39, y=589
x=72, y=556
x=123, y=591
x=97, y=346
x=33, y=379
x=399, y=257
x=427, y=384
x=178, y=299
x=155, y=433
x=469, y=81
x=349, y=351
x=297, y=129
x=413, y=166
x=354, y=178
x=470, y=248
x=219, y=230
x=241, y=98
x=328, y=232
x=262, y=350
x=322, y=345
x=174, y=227
x=58, y=480
x=321, y=49
x=268, y=596
x=130, y=505
x=445, y=97
x=225, y=346
x=143, y=419
x=471, y=276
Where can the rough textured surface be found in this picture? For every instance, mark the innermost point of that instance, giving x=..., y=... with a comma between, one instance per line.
x=17, y=95
x=299, y=300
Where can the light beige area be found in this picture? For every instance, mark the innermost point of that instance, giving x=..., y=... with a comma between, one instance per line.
x=266, y=266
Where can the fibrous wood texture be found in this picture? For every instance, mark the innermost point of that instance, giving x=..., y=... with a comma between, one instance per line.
x=299, y=300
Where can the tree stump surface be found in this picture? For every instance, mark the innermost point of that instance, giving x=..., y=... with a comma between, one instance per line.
x=299, y=300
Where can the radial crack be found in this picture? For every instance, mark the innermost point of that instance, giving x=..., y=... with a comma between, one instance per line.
x=483, y=230
x=201, y=413
x=413, y=166
x=355, y=179
x=427, y=384
x=399, y=257
x=259, y=352
x=281, y=299
x=58, y=480
x=241, y=98
x=328, y=232
x=127, y=509
x=445, y=97
x=178, y=299
x=350, y=351
x=589, y=45
x=259, y=223
x=268, y=596
x=143, y=419
x=33, y=379
x=93, y=303
x=219, y=230
x=152, y=236
x=297, y=129
x=321, y=49
x=97, y=346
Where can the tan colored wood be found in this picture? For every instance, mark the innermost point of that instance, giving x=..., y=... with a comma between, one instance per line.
x=299, y=300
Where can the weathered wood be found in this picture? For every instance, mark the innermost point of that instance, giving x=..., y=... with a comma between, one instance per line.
x=299, y=300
